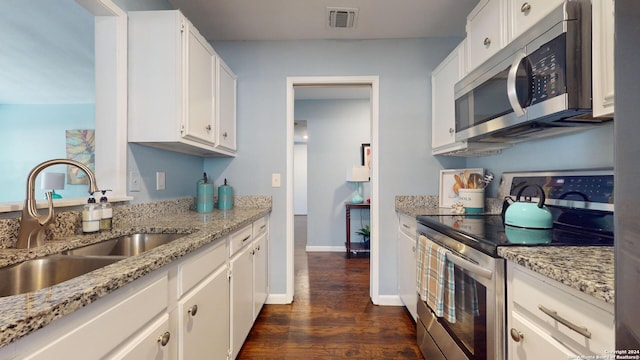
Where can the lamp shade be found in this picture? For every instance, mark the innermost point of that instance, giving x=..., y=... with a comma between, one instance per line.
x=358, y=174
x=52, y=181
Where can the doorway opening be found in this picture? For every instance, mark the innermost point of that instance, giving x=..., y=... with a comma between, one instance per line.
x=328, y=85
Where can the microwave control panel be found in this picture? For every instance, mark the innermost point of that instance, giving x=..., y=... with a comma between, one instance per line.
x=548, y=70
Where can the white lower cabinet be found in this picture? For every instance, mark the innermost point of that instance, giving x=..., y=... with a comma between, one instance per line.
x=203, y=319
x=260, y=273
x=550, y=320
x=241, y=297
x=407, y=264
x=154, y=342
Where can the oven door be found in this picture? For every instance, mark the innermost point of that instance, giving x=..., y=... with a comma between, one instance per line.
x=478, y=330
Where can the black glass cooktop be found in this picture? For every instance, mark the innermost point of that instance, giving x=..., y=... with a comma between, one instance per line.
x=571, y=227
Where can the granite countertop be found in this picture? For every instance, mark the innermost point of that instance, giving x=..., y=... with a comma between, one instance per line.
x=25, y=313
x=589, y=269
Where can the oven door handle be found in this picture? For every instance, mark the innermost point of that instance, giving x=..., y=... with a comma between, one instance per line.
x=469, y=266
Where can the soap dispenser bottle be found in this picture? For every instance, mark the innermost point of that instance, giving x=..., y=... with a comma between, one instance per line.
x=107, y=212
x=91, y=215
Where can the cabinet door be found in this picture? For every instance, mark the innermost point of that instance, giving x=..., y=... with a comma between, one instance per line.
x=485, y=32
x=154, y=342
x=241, y=297
x=226, y=107
x=603, y=51
x=523, y=14
x=204, y=319
x=260, y=272
x=199, y=122
x=533, y=343
x=443, y=79
x=407, y=272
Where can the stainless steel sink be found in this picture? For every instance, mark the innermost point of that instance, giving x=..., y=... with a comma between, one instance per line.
x=40, y=273
x=128, y=245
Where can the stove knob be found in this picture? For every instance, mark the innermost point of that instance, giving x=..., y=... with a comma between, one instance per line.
x=516, y=335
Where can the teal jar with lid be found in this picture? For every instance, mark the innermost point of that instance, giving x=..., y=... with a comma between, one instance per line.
x=225, y=196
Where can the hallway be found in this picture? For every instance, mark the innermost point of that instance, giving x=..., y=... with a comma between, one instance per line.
x=332, y=316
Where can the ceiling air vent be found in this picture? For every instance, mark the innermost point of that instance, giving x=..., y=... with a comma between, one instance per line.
x=342, y=18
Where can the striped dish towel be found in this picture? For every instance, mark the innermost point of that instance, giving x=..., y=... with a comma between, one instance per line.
x=435, y=279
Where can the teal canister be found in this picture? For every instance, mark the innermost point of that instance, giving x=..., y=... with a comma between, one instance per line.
x=204, y=195
x=225, y=196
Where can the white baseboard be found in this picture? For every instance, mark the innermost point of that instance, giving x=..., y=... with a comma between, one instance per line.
x=326, y=249
x=280, y=299
x=389, y=300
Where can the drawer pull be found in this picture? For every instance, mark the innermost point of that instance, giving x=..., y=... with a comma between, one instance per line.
x=164, y=339
x=406, y=226
x=525, y=8
x=516, y=335
x=487, y=42
x=246, y=238
x=554, y=315
x=193, y=310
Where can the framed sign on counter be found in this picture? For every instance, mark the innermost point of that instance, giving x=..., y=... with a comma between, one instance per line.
x=451, y=180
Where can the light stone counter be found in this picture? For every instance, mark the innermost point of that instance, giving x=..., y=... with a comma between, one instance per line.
x=22, y=314
x=589, y=269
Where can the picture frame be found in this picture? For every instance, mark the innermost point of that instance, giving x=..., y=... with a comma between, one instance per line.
x=365, y=155
x=446, y=195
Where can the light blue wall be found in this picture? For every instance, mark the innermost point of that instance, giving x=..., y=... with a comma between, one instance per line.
x=584, y=150
x=37, y=133
x=336, y=129
x=404, y=68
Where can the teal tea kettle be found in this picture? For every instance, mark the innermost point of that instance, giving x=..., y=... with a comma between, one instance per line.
x=528, y=214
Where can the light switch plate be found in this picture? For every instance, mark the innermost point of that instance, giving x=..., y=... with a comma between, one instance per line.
x=160, y=180
x=134, y=181
x=275, y=180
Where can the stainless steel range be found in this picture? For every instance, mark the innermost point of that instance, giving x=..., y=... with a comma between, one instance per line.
x=581, y=203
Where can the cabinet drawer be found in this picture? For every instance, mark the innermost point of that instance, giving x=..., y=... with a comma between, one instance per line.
x=260, y=226
x=408, y=225
x=549, y=304
x=239, y=239
x=193, y=270
x=533, y=342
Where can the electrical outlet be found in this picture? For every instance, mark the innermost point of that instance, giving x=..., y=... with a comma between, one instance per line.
x=160, y=180
x=134, y=181
x=275, y=180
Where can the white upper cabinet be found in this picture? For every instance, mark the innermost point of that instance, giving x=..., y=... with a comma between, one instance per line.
x=443, y=78
x=523, y=14
x=226, y=107
x=173, y=85
x=603, y=51
x=486, y=31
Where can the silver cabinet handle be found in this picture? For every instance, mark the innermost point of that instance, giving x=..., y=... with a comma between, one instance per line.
x=224, y=135
x=193, y=310
x=208, y=128
x=525, y=8
x=164, y=339
x=451, y=131
x=487, y=42
x=405, y=226
x=516, y=335
x=246, y=238
x=554, y=315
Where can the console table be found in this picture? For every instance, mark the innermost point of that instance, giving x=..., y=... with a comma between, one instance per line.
x=356, y=247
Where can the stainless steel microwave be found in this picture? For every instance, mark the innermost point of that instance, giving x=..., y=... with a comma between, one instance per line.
x=538, y=85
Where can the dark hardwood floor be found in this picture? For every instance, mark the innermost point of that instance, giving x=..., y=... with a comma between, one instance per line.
x=332, y=316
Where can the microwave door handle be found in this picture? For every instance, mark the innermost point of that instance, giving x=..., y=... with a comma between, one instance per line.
x=469, y=266
x=512, y=91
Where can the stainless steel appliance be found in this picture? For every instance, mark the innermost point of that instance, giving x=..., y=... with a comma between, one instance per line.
x=581, y=203
x=539, y=85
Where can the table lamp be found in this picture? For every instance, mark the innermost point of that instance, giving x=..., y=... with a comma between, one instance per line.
x=358, y=174
x=52, y=181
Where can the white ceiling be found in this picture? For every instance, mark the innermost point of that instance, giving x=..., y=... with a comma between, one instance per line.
x=305, y=19
x=47, y=45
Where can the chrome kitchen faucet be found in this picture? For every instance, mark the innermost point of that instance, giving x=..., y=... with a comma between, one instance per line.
x=32, y=224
